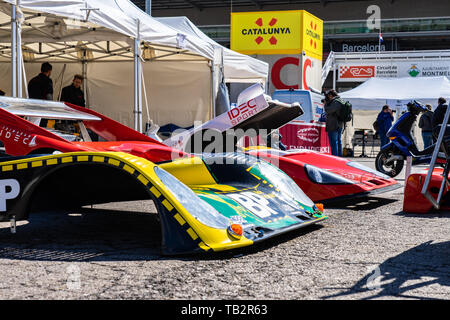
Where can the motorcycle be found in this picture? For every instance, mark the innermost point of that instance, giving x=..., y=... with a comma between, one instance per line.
x=390, y=160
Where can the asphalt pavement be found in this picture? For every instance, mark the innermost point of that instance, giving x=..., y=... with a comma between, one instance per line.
x=368, y=249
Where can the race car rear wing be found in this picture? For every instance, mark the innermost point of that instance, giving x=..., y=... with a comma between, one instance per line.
x=18, y=134
x=255, y=111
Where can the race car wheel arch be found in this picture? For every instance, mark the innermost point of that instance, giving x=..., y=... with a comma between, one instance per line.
x=78, y=184
x=74, y=184
x=122, y=187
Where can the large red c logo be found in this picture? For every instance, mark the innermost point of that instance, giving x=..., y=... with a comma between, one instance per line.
x=276, y=72
x=307, y=64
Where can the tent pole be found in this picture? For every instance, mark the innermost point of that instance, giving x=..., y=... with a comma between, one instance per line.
x=84, y=74
x=213, y=85
x=24, y=75
x=334, y=76
x=18, y=55
x=14, y=51
x=137, y=82
x=135, y=88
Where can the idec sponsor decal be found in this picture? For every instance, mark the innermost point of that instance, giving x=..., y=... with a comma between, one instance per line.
x=356, y=72
x=11, y=134
x=244, y=111
x=309, y=134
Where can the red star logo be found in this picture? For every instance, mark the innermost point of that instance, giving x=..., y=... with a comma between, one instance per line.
x=259, y=23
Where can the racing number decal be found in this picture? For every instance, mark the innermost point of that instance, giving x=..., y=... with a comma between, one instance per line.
x=9, y=189
x=254, y=203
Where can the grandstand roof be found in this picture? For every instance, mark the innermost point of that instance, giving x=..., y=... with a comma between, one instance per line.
x=203, y=4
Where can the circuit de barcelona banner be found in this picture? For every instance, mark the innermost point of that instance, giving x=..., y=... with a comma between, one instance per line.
x=277, y=32
x=361, y=71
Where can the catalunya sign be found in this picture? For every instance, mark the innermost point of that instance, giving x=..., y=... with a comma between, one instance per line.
x=277, y=32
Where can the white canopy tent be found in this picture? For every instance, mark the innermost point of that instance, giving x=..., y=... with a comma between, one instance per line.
x=237, y=67
x=119, y=49
x=376, y=92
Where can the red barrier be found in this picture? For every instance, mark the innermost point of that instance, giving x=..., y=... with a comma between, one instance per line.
x=304, y=135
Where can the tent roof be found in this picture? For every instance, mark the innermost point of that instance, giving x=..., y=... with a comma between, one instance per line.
x=237, y=66
x=401, y=88
x=68, y=25
x=96, y=30
x=377, y=91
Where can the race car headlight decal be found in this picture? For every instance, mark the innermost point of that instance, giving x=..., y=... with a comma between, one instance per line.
x=235, y=230
x=284, y=183
x=321, y=176
x=362, y=167
x=199, y=209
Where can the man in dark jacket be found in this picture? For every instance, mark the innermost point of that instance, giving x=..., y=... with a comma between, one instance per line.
x=425, y=123
x=384, y=119
x=333, y=124
x=73, y=93
x=41, y=86
x=438, y=117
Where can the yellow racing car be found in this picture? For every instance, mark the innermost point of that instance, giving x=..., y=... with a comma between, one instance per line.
x=214, y=203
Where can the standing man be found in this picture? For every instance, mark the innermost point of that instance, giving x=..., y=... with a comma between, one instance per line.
x=438, y=117
x=41, y=86
x=333, y=124
x=73, y=93
x=425, y=123
x=384, y=119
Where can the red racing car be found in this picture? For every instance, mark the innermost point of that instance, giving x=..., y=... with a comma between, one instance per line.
x=321, y=176
x=69, y=129
x=325, y=177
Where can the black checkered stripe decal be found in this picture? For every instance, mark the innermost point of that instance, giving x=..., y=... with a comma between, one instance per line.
x=58, y=160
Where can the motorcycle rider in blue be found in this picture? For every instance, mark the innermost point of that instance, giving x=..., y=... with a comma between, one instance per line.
x=391, y=157
x=384, y=119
